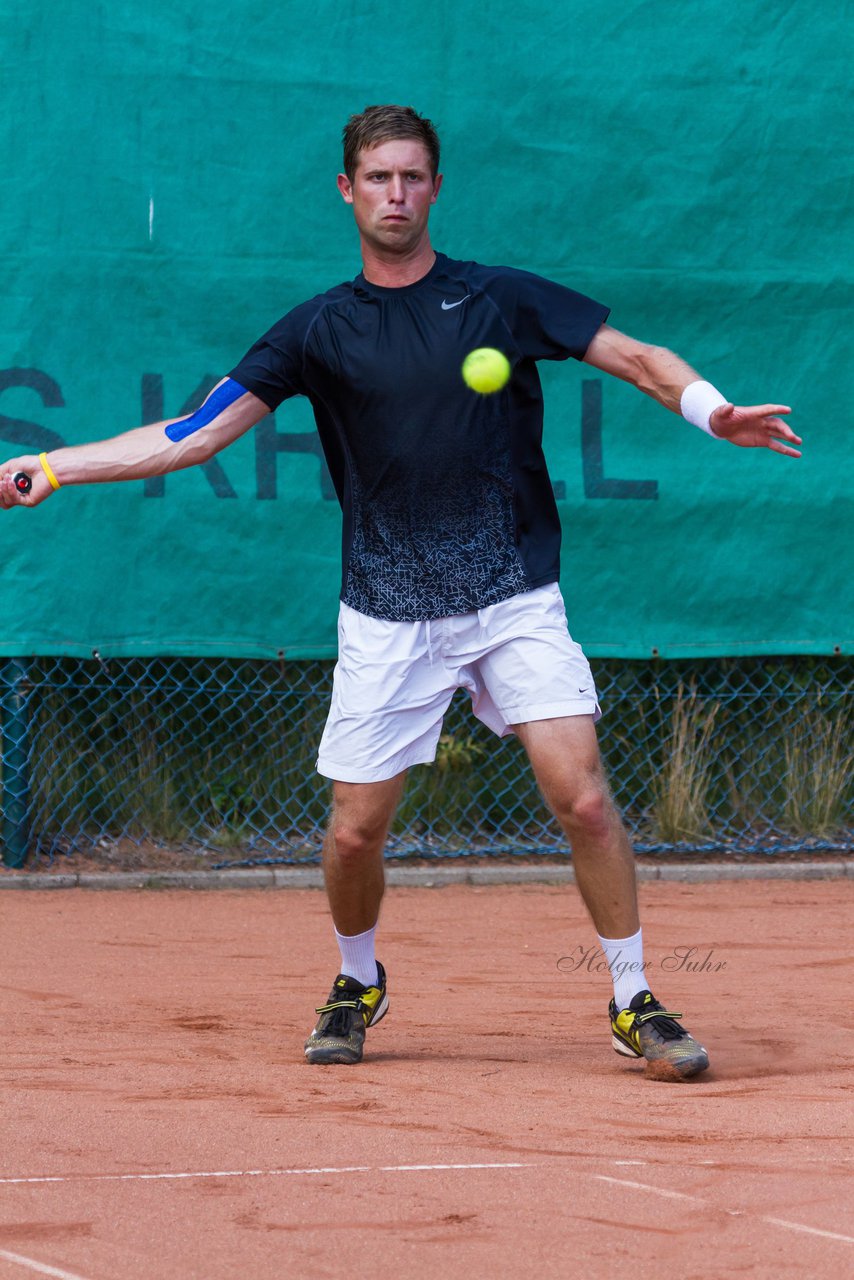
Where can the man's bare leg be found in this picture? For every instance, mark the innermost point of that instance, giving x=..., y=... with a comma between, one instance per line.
x=353, y=851
x=565, y=757
x=355, y=882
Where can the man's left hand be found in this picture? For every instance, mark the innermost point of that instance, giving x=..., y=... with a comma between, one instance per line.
x=757, y=426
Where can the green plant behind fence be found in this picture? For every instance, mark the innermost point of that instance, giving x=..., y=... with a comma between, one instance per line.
x=819, y=769
x=219, y=756
x=683, y=770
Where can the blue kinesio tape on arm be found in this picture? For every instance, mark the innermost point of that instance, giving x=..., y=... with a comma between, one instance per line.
x=216, y=402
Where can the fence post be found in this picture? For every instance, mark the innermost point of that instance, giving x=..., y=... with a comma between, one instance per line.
x=14, y=689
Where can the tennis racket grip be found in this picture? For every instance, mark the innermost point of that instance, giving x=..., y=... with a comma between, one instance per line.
x=22, y=482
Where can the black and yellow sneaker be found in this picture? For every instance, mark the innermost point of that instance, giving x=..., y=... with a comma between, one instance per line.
x=340, y=1032
x=647, y=1030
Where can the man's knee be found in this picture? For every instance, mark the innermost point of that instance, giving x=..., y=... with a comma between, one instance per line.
x=354, y=839
x=586, y=808
x=360, y=819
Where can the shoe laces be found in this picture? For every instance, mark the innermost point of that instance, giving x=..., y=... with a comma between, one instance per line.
x=662, y=1021
x=339, y=1020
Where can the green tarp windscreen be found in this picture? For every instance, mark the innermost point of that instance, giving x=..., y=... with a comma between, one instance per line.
x=169, y=192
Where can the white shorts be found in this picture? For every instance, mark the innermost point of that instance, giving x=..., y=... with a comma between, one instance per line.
x=394, y=681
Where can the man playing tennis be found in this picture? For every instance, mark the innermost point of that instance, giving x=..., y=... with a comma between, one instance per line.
x=450, y=551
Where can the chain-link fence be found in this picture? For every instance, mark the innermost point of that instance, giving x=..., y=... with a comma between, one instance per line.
x=218, y=756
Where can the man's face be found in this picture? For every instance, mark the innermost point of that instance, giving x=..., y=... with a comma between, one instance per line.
x=391, y=194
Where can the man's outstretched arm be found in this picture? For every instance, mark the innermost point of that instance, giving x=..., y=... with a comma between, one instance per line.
x=227, y=413
x=664, y=376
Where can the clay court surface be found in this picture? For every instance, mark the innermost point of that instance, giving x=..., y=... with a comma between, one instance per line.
x=159, y=1123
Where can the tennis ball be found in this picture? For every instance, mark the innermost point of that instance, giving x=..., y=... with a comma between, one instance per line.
x=486, y=370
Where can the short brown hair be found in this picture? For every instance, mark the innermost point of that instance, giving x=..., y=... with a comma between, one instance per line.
x=384, y=124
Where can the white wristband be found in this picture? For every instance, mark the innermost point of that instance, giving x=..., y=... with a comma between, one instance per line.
x=698, y=403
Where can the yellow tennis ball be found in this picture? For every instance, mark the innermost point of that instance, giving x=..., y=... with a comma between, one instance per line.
x=486, y=370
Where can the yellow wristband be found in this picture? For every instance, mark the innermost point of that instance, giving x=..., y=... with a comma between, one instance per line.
x=48, y=470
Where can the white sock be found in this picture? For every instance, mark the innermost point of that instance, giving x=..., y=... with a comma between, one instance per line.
x=357, y=956
x=624, y=957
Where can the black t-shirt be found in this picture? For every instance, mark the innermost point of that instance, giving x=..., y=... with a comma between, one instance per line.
x=447, y=502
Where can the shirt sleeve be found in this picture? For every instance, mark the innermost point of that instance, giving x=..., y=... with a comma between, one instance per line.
x=548, y=321
x=272, y=367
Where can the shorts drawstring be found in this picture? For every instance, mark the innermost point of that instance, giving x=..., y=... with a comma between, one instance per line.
x=429, y=627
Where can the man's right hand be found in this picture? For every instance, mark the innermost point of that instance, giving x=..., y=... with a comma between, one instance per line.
x=10, y=496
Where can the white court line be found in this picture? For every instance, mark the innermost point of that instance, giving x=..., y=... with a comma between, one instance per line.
x=811, y=1231
x=643, y=1186
x=664, y=1192
x=733, y=1213
x=254, y=1173
x=367, y=1168
x=40, y=1268
x=784, y=1163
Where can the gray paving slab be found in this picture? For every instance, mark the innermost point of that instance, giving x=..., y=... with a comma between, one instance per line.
x=710, y=871
x=422, y=876
x=16, y=880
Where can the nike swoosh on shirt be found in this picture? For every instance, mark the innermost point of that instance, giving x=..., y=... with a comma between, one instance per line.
x=449, y=306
